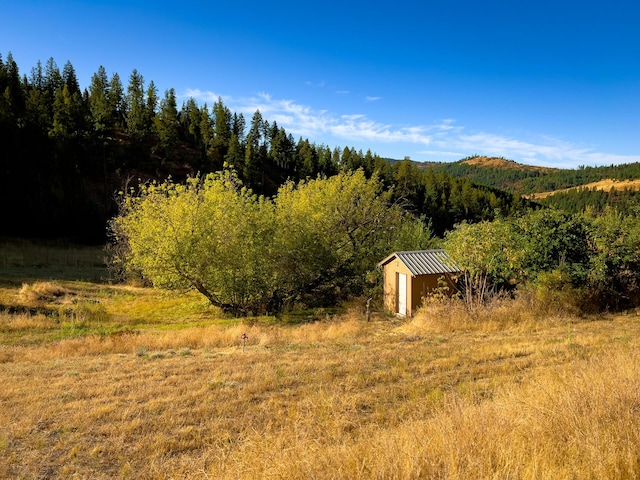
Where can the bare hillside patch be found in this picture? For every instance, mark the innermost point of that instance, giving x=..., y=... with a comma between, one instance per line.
x=607, y=184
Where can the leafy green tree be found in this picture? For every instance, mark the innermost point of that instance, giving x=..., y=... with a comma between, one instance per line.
x=209, y=234
x=555, y=240
x=316, y=242
x=614, y=273
x=491, y=255
x=333, y=231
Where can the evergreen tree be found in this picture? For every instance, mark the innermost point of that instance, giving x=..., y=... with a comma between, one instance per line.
x=69, y=78
x=255, y=153
x=190, y=117
x=36, y=79
x=221, y=133
x=206, y=132
x=238, y=125
x=152, y=106
x=137, y=113
x=99, y=105
x=235, y=156
x=117, y=101
x=307, y=159
x=166, y=122
x=52, y=77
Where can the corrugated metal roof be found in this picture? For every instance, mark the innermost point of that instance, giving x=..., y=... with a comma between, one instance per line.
x=425, y=262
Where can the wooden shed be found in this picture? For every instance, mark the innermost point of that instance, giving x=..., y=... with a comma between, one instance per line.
x=411, y=276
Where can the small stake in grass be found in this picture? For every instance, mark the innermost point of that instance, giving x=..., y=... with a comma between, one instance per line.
x=244, y=338
x=368, y=309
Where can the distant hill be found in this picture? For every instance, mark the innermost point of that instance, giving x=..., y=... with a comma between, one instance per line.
x=572, y=190
x=498, y=172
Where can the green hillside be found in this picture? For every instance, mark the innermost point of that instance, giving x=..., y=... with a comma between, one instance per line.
x=572, y=190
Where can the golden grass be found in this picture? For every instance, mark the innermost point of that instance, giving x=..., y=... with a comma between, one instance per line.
x=102, y=381
x=436, y=396
x=606, y=184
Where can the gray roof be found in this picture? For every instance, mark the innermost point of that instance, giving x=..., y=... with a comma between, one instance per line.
x=425, y=262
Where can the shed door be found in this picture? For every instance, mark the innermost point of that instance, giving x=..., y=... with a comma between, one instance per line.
x=402, y=294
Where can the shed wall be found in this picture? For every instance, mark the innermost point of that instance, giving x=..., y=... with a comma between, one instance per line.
x=390, y=288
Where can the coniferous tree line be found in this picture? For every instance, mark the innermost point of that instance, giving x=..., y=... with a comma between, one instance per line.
x=578, y=200
x=66, y=150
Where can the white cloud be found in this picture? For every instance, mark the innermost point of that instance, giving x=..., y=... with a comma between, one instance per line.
x=445, y=138
x=373, y=99
x=203, y=96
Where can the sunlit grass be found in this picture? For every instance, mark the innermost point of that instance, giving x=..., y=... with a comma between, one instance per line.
x=105, y=381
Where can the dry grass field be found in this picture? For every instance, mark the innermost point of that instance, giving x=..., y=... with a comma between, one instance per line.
x=607, y=185
x=102, y=381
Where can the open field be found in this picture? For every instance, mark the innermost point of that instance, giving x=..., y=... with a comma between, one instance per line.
x=607, y=184
x=102, y=381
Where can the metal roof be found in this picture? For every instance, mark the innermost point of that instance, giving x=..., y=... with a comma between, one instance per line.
x=425, y=262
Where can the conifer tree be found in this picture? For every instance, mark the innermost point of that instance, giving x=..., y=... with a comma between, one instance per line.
x=136, y=115
x=69, y=78
x=117, y=101
x=166, y=122
x=99, y=105
x=52, y=77
x=221, y=133
x=151, y=106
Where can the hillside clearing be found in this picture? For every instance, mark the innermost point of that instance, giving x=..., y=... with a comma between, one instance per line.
x=607, y=185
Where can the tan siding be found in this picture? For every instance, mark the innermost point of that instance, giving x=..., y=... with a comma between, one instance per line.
x=390, y=294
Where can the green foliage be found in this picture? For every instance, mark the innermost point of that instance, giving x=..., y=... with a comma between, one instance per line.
x=314, y=242
x=207, y=234
x=596, y=259
x=333, y=231
x=615, y=259
x=578, y=200
x=554, y=293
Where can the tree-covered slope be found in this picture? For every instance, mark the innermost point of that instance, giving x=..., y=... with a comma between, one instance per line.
x=527, y=179
x=68, y=150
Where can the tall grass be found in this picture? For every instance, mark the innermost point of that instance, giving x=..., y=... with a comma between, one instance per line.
x=102, y=381
x=331, y=399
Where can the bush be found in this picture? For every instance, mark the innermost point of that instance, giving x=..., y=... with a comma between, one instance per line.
x=552, y=294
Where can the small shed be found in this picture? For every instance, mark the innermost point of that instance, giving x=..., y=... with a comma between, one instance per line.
x=411, y=276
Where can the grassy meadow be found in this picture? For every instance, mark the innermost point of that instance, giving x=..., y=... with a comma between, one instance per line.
x=109, y=381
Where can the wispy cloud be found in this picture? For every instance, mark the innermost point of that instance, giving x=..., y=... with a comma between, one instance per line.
x=373, y=99
x=441, y=140
x=202, y=95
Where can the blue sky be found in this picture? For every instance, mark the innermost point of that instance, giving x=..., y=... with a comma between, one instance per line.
x=553, y=83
